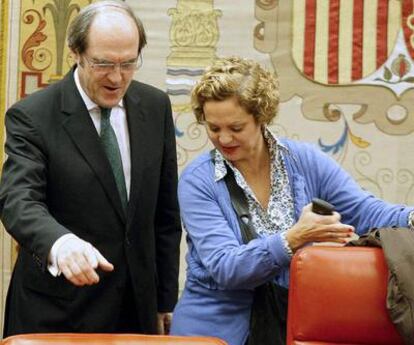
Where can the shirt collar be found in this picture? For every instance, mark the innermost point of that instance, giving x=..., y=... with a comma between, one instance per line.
x=220, y=169
x=90, y=105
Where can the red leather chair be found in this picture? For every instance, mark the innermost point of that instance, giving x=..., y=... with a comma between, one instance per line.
x=107, y=339
x=337, y=295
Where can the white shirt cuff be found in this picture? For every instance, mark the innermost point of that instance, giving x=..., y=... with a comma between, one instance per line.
x=52, y=265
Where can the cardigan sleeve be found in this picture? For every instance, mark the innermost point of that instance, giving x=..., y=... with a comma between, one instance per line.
x=329, y=181
x=213, y=230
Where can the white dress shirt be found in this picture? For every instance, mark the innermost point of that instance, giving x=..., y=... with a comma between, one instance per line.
x=119, y=124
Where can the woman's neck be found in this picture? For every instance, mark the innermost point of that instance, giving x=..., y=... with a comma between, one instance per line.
x=257, y=163
x=256, y=172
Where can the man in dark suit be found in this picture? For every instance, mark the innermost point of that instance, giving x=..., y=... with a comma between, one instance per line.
x=89, y=191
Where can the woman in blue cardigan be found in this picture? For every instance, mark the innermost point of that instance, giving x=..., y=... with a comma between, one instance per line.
x=236, y=99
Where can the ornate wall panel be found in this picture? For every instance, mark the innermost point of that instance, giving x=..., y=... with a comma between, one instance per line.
x=345, y=67
x=44, y=56
x=350, y=63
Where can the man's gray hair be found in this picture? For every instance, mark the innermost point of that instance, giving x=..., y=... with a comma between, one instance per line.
x=79, y=28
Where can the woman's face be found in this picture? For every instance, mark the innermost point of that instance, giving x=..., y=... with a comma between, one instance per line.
x=232, y=130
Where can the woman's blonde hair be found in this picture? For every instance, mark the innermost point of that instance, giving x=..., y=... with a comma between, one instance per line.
x=255, y=88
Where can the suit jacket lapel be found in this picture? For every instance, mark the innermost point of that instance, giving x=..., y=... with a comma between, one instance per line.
x=81, y=130
x=136, y=123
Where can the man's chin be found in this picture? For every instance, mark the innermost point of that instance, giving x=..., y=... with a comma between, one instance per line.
x=109, y=102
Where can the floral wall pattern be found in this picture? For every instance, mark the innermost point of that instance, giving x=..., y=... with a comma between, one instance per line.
x=44, y=57
x=346, y=73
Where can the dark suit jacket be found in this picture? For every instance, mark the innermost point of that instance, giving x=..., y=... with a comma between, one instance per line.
x=57, y=180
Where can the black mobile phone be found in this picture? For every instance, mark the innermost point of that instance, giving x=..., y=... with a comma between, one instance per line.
x=322, y=207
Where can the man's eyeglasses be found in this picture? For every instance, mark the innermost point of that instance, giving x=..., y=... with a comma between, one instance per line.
x=108, y=67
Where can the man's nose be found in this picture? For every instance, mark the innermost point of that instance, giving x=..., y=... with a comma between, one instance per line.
x=116, y=73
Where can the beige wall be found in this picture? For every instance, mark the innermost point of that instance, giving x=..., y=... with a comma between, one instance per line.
x=368, y=123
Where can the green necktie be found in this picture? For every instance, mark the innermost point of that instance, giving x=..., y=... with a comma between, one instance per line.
x=110, y=145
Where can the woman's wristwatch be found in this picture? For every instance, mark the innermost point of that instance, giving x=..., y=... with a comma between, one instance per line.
x=286, y=245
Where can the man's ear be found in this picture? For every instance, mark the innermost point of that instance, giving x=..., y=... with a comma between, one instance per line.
x=75, y=57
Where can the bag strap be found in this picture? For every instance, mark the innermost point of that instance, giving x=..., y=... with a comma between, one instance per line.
x=240, y=204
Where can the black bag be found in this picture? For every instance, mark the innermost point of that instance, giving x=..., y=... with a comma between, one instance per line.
x=269, y=309
x=269, y=315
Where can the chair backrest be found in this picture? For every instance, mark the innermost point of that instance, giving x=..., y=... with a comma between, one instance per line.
x=107, y=339
x=337, y=295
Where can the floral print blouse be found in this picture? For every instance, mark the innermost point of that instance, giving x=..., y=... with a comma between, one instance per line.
x=279, y=215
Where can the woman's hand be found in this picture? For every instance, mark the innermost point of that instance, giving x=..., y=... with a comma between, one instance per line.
x=312, y=227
